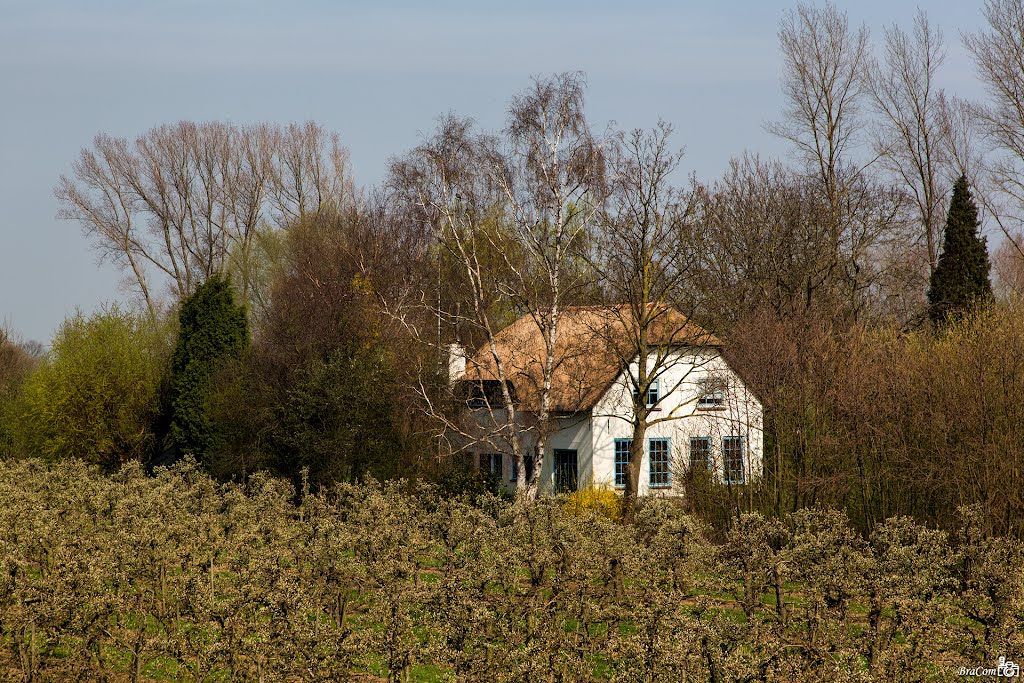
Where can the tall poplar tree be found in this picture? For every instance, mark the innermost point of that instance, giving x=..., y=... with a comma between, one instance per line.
x=961, y=277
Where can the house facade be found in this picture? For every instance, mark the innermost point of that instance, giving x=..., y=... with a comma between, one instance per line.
x=702, y=413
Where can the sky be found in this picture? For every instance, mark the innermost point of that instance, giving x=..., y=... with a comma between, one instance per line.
x=380, y=74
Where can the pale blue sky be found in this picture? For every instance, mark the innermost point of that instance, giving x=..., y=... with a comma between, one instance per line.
x=378, y=74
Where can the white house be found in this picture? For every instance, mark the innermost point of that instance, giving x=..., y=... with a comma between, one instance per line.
x=705, y=415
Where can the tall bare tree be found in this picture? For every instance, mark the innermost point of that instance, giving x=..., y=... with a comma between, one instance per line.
x=769, y=244
x=187, y=200
x=960, y=135
x=644, y=255
x=910, y=138
x=999, y=58
x=824, y=88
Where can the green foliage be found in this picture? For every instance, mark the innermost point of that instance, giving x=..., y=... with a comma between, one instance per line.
x=961, y=278
x=336, y=419
x=212, y=330
x=95, y=397
x=15, y=365
x=319, y=389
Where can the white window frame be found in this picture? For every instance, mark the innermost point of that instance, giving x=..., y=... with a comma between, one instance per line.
x=667, y=484
x=712, y=393
x=726, y=472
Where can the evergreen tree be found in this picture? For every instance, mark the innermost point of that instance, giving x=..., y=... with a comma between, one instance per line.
x=961, y=277
x=213, y=330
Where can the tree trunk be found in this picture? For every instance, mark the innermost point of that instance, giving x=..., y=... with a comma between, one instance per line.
x=636, y=454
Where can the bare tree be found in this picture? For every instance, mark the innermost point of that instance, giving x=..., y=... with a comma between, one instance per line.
x=823, y=87
x=999, y=57
x=512, y=212
x=910, y=137
x=960, y=137
x=768, y=244
x=645, y=252
x=188, y=200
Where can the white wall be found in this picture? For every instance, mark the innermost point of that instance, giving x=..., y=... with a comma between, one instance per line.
x=680, y=387
x=592, y=434
x=572, y=433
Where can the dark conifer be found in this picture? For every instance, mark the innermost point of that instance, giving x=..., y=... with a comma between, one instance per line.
x=961, y=278
x=213, y=329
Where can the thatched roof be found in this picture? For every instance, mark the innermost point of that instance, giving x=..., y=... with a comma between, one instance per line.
x=592, y=346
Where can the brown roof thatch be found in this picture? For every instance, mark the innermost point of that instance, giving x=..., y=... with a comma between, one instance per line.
x=592, y=344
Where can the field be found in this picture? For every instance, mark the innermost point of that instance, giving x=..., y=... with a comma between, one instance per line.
x=175, y=577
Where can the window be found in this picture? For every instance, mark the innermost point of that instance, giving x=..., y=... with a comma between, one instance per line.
x=485, y=393
x=515, y=468
x=491, y=463
x=658, y=453
x=712, y=393
x=565, y=470
x=700, y=453
x=653, y=393
x=732, y=459
x=621, y=461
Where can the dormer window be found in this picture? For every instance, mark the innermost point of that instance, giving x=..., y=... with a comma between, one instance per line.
x=485, y=393
x=712, y=394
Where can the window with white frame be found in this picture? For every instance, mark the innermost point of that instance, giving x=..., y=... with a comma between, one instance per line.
x=712, y=393
x=700, y=452
x=653, y=393
x=621, y=461
x=732, y=459
x=658, y=461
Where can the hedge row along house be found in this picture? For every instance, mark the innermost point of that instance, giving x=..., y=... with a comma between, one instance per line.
x=698, y=411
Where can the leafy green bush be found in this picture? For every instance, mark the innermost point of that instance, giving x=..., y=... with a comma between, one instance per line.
x=16, y=362
x=95, y=395
x=335, y=420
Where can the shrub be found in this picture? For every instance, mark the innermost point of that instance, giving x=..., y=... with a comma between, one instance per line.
x=16, y=362
x=95, y=396
x=600, y=499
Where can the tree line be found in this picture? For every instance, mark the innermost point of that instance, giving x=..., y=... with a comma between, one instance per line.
x=283, y=319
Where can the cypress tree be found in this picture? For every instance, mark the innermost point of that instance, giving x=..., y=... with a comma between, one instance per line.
x=961, y=278
x=213, y=329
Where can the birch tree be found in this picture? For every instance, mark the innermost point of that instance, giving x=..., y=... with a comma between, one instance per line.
x=512, y=211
